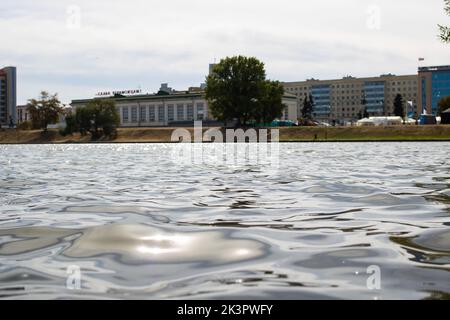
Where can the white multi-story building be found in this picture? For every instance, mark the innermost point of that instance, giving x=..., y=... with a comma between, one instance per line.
x=172, y=108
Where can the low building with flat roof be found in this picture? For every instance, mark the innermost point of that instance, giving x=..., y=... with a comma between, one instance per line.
x=172, y=108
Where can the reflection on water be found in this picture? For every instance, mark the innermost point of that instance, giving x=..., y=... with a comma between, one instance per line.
x=145, y=244
x=139, y=225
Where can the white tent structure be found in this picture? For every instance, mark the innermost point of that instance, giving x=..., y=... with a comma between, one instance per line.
x=410, y=121
x=366, y=122
x=380, y=121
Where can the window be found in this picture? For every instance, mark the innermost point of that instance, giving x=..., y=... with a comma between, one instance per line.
x=200, y=111
x=161, y=113
x=151, y=114
x=170, y=112
x=180, y=112
x=190, y=111
x=125, y=115
x=143, y=114
x=133, y=114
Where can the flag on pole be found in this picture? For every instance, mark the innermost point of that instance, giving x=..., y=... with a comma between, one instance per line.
x=410, y=109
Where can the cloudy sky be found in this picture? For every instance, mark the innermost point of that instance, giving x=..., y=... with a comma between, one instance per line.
x=80, y=47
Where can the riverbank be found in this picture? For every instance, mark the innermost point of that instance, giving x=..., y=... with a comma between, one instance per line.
x=293, y=134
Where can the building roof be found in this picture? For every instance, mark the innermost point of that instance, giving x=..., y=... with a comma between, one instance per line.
x=446, y=111
x=385, y=77
x=435, y=68
x=186, y=95
x=160, y=96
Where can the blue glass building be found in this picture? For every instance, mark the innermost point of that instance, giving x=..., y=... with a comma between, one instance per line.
x=322, y=100
x=374, y=96
x=433, y=86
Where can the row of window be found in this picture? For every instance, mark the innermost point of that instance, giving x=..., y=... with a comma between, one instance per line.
x=394, y=88
x=369, y=100
x=368, y=94
x=359, y=85
x=162, y=113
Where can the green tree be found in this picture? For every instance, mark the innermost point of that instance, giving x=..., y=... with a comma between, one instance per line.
x=443, y=105
x=98, y=118
x=271, y=106
x=360, y=115
x=399, y=106
x=45, y=110
x=363, y=114
x=237, y=89
x=366, y=113
x=308, y=107
x=445, y=31
x=71, y=124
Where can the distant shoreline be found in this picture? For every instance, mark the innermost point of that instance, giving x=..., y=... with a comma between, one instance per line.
x=287, y=135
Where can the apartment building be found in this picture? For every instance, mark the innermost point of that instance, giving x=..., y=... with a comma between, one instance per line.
x=344, y=100
x=8, y=99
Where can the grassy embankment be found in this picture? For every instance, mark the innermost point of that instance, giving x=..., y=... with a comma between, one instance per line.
x=139, y=135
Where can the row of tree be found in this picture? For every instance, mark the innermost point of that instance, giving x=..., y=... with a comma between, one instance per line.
x=45, y=110
x=98, y=118
x=399, y=105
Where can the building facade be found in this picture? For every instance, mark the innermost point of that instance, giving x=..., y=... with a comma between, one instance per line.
x=434, y=84
x=344, y=100
x=172, y=109
x=23, y=115
x=8, y=96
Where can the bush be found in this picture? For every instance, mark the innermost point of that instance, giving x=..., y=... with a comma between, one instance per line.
x=71, y=125
x=26, y=125
x=99, y=118
x=304, y=122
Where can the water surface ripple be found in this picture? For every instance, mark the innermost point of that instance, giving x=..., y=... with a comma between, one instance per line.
x=140, y=225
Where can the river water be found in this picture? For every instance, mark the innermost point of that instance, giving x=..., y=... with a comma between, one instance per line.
x=333, y=221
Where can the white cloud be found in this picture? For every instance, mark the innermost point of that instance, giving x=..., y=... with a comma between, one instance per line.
x=125, y=44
